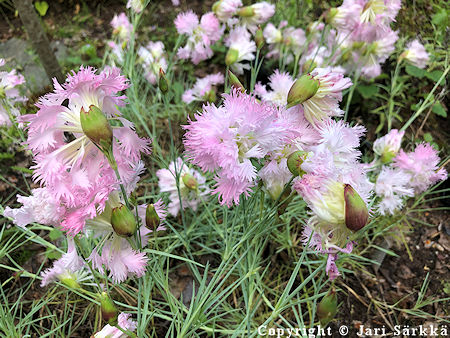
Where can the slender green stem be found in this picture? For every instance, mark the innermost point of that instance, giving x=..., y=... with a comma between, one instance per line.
x=392, y=94
x=424, y=103
x=350, y=94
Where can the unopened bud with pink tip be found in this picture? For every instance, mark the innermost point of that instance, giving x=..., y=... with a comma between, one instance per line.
x=108, y=308
x=152, y=220
x=163, y=84
x=356, y=212
x=259, y=38
x=295, y=161
x=234, y=81
x=327, y=308
x=189, y=181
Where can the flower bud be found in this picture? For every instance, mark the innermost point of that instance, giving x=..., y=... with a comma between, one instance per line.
x=152, y=219
x=259, y=38
x=387, y=157
x=69, y=279
x=303, y=89
x=108, y=308
x=189, y=181
x=215, y=6
x=234, y=81
x=327, y=308
x=123, y=221
x=295, y=161
x=210, y=96
x=163, y=84
x=356, y=213
x=231, y=57
x=96, y=127
x=2, y=93
x=246, y=12
x=330, y=14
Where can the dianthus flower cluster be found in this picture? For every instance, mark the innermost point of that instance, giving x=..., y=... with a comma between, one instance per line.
x=80, y=171
x=203, y=89
x=153, y=59
x=404, y=174
x=10, y=94
x=201, y=35
x=363, y=34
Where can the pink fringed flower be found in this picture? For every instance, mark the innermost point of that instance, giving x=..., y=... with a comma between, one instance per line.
x=372, y=55
x=422, y=165
x=226, y=9
x=392, y=187
x=225, y=139
x=202, y=87
x=117, y=53
x=116, y=254
x=331, y=164
x=190, y=195
x=325, y=102
x=124, y=321
x=416, y=54
x=67, y=268
x=261, y=13
x=201, y=35
x=388, y=146
x=120, y=259
x=322, y=241
x=153, y=59
x=136, y=5
x=68, y=164
x=10, y=83
x=122, y=26
x=285, y=41
x=280, y=84
x=240, y=43
x=40, y=207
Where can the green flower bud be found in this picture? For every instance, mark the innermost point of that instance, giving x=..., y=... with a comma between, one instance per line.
x=330, y=14
x=152, y=219
x=96, y=127
x=2, y=93
x=215, y=6
x=356, y=213
x=234, y=81
x=246, y=12
x=210, y=96
x=303, y=89
x=358, y=45
x=295, y=161
x=231, y=57
x=69, y=280
x=259, y=38
x=123, y=221
x=387, y=157
x=108, y=308
x=327, y=308
x=190, y=182
x=163, y=84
